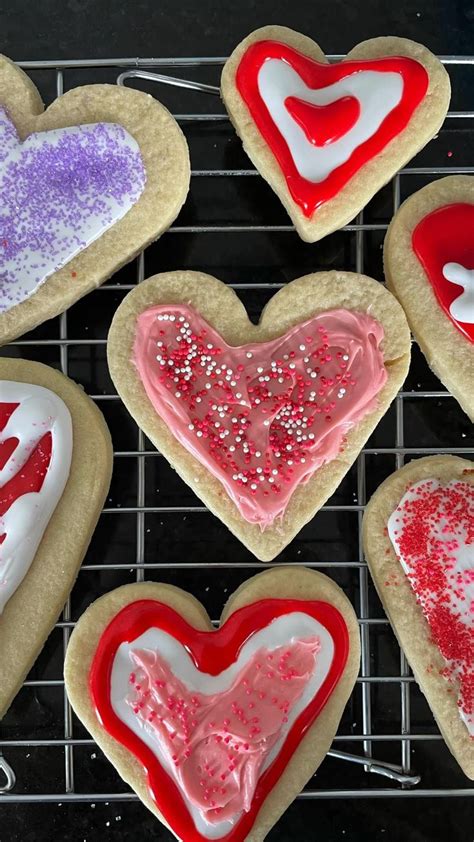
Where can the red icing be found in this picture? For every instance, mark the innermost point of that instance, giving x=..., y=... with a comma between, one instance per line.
x=324, y=123
x=8, y=446
x=308, y=195
x=6, y=449
x=6, y=409
x=446, y=235
x=33, y=472
x=212, y=652
x=432, y=531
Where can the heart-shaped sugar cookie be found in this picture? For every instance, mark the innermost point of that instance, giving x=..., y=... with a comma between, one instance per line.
x=418, y=535
x=327, y=137
x=429, y=265
x=55, y=466
x=84, y=187
x=262, y=422
x=203, y=723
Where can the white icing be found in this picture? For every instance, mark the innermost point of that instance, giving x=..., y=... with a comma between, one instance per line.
x=281, y=631
x=463, y=560
x=39, y=411
x=462, y=308
x=378, y=93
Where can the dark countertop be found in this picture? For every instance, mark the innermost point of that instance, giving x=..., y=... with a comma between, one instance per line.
x=100, y=28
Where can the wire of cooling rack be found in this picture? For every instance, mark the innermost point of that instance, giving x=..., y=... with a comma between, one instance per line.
x=401, y=774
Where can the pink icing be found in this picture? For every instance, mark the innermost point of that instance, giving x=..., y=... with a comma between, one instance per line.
x=218, y=743
x=262, y=417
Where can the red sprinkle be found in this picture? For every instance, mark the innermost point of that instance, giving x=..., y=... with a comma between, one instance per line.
x=433, y=524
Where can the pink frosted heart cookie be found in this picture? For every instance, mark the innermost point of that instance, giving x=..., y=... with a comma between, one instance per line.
x=84, y=186
x=262, y=422
x=216, y=730
x=327, y=136
x=55, y=465
x=419, y=543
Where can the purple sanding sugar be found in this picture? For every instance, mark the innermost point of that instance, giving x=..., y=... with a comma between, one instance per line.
x=8, y=135
x=59, y=191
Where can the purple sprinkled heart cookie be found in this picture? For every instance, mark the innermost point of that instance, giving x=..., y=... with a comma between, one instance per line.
x=59, y=191
x=85, y=186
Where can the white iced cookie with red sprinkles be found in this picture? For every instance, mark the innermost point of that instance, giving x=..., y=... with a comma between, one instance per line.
x=217, y=730
x=85, y=185
x=419, y=543
x=327, y=136
x=55, y=466
x=261, y=421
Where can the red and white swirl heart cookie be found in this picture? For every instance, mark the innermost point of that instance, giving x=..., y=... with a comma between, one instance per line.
x=217, y=731
x=85, y=185
x=418, y=535
x=327, y=136
x=55, y=466
x=261, y=421
x=429, y=265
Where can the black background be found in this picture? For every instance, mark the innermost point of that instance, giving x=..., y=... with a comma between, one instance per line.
x=50, y=29
x=53, y=29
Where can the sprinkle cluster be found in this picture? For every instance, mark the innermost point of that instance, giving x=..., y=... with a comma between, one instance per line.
x=265, y=416
x=434, y=537
x=59, y=191
x=217, y=743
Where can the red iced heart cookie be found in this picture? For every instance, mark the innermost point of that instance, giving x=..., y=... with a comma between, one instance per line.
x=419, y=542
x=55, y=465
x=443, y=241
x=429, y=265
x=35, y=458
x=212, y=718
x=326, y=134
x=385, y=93
x=206, y=739
x=261, y=421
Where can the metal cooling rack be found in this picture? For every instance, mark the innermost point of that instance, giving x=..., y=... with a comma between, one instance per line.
x=56, y=344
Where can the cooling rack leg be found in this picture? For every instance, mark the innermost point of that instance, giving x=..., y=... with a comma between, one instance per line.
x=364, y=614
x=8, y=777
x=399, y=461
x=363, y=575
x=404, y=668
x=68, y=749
x=68, y=728
x=140, y=555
